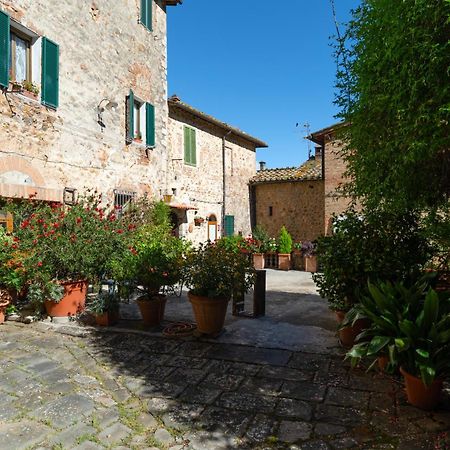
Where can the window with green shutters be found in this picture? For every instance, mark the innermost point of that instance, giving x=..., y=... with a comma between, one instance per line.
x=4, y=49
x=229, y=225
x=149, y=125
x=190, y=147
x=130, y=117
x=146, y=13
x=50, y=73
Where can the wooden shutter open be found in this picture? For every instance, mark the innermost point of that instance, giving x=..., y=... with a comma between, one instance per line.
x=4, y=49
x=50, y=73
x=149, y=125
x=129, y=106
x=229, y=225
x=146, y=13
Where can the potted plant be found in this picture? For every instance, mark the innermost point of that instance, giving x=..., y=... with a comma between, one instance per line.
x=63, y=248
x=284, y=249
x=213, y=272
x=198, y=221
x=309, y=255
x=411, y=326
x=262, y=239
x=138, y=137
x=30, y=90
x=105, y=308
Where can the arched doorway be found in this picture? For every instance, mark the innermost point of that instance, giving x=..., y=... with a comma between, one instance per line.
x=212, y=228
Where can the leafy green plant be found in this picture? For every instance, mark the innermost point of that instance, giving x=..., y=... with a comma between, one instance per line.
x=284, y=241
x=215, y=271
x=410, y=324
x=262, y=237
x=30, y=87
x=374, y=244
x=104, y=302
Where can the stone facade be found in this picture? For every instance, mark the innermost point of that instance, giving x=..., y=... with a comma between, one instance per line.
x=103, y=53
x=201, y=186
x=291, y=197
x=334, y=169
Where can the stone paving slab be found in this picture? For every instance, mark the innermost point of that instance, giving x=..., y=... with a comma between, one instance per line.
x=102, y=389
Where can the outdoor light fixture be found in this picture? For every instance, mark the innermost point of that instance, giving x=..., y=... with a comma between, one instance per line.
x=69, y=196
x=109, y=105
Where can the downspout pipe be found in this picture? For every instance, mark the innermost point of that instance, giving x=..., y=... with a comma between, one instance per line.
x=224, y=181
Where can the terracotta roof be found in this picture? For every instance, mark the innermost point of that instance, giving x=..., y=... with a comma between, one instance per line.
x=308, y=171
x=173, y=2
x=175, y=103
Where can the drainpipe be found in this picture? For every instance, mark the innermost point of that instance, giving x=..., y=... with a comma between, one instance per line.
x=224, y=180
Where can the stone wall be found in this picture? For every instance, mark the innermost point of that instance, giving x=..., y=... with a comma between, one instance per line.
x=202, y=186
x=297, y=205
x=335, y=203
x=104, y=52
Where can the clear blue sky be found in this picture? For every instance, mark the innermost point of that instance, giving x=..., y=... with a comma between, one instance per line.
x=259, y=65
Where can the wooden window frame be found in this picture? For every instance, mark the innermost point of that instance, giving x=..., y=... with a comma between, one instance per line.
x=29, y=60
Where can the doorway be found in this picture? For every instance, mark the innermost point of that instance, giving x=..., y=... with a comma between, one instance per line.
x=212, y=228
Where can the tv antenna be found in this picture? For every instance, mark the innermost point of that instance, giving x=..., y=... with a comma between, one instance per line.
x=307, y=128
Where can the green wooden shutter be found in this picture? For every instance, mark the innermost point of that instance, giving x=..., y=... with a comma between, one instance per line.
x=50, y=73
x=130, y=117
x=193, y=147
x=4, y=49
x=229, y=225
x=150, y=125
x=187, y=143
x=146, y=13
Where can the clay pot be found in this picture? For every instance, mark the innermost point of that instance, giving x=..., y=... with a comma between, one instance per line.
x=152, y=310
x=382, y=362
x=347, y=335
x=209, y=313
x=310, y=263
x=73, y=301
x=297, y=260
x=418, y=394
x=3, y=306
x=107, y=319
x=258, y=261
x=284, y=261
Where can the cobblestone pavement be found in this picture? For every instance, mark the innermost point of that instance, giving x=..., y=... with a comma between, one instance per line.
x=107, y=389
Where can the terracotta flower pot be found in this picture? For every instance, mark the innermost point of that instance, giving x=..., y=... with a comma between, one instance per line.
x=311, y=263
x=152, y=310
x=419, y=395
x=107, y=319
x=3, y=306
x=258, y=261
x=347, y=335
x=73, y=301
x=297, y=260
x=284, y=261
x=209, y=313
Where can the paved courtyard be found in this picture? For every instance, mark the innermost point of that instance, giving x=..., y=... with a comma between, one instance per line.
x=78, y=387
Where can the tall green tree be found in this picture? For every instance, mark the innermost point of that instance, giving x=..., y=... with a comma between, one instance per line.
x=394, y=90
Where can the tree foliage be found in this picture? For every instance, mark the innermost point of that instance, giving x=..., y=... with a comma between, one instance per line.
x=394, y=91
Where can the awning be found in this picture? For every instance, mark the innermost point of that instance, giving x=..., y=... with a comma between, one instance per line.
x=182, y=206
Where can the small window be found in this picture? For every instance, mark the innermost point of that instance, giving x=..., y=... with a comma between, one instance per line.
x=20, y=58
x=140, y=121
x=270, y=211
x=122, y=200
x=137, y=115
x=190, y=146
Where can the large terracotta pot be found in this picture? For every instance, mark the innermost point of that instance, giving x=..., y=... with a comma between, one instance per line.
x=209, y=313
x=3, y=306
x=152, y=310
x=258, y=261
x=284, y=261
x=311, y=263
x=107, y=319
x=73, y=301
x=418, y=394
x=297, y=260
x=347, y=335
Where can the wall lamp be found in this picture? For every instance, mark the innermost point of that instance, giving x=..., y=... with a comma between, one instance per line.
x=104, y=104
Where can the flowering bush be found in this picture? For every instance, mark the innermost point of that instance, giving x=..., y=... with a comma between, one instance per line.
x=215, y=271
x=11, y=268
x=57, y=243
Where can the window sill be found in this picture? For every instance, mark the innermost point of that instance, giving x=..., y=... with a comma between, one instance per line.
x=189, y=164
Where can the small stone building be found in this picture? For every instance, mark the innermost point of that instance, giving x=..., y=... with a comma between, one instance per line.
x=210, y=165
x=293, y=197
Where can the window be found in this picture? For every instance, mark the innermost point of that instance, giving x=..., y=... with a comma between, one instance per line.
x=140, y=121
x=270, y=211
x=229, y=225
x=190, y=150
x=122, y=200
x=20, y=58
x=28, y=59
x=146, y=13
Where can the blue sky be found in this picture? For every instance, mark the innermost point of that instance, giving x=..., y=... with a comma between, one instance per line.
x=260, y=65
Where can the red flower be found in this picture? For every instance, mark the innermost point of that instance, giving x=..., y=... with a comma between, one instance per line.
x=56, y=225
x=39, y=264
x=79, y=220
x=119, y=231
x=16, y=239
x=35, y=241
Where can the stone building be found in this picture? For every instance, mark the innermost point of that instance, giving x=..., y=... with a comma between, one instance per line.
x=334, y=168
x=85, y=106
x=293, y=197
x=210, y=165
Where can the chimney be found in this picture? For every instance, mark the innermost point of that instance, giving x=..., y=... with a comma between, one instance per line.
x=318, y=152
x=262, y=165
